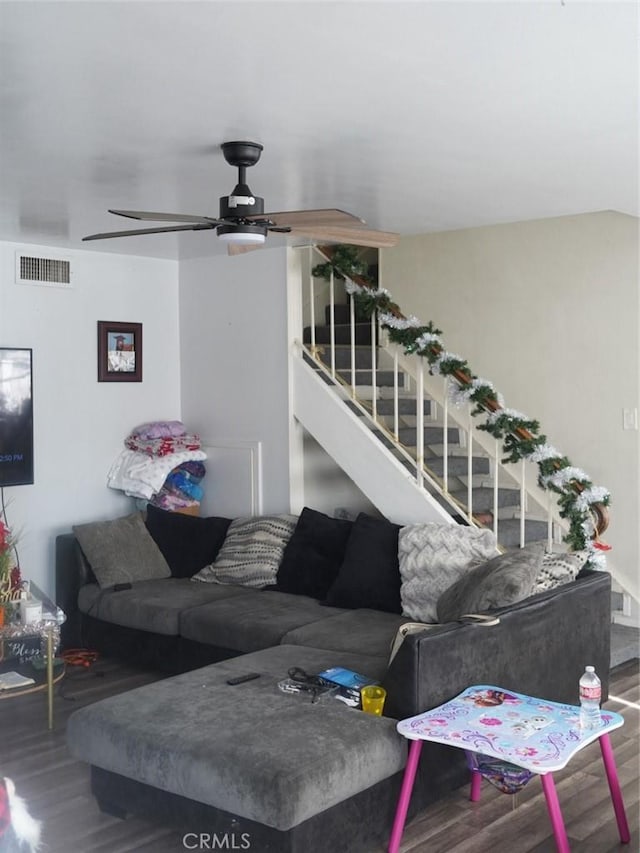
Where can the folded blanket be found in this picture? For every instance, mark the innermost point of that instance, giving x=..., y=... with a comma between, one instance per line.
x=196, y=470
x=142, y=476
x=180, y=483
x=172, y=503
x=159, y=429
x=162, y=446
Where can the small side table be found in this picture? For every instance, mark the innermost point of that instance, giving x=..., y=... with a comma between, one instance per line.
x=47, y=630
x=533, y=734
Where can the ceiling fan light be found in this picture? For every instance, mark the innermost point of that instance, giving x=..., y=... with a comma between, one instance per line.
x=244, y=235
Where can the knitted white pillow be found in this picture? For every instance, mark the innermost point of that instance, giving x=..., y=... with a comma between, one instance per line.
x=432, y=557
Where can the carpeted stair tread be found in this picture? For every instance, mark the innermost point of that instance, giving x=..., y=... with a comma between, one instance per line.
x=341, y=314
x=458, y=465
x=342, y=334
x=406, y=406
x=362, y=355
x=384, y=378
x=408, y=436
x=509, y=532
x=483, y=498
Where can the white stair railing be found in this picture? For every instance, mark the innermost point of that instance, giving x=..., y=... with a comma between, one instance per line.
x=408, y=378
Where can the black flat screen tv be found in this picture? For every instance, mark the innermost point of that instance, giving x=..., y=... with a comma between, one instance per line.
x=16, y=416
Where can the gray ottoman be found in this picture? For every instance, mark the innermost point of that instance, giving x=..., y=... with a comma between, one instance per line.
x=248, y=758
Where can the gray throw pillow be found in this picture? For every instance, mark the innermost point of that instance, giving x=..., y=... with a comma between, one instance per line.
x=251, y=552
x=432, y=556
x=501, y=581
x=121, y=551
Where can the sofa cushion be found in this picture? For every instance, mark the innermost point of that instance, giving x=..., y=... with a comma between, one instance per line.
x=369, y=632
x=188, y=543
x=369, y=575
x=501, y=581
x=251, y=622
x=121, y=551
x=249, y=749
x=151, y=605
x=432, y=557
x=313, y=555
x=251, y=552
x=559, y=568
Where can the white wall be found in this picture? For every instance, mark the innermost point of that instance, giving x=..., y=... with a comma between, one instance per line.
x=233, y=321
x=549, y=312
x=326, y=486
x=79, y=423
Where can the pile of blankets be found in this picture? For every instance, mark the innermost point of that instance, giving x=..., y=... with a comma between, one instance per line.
x=161, y=464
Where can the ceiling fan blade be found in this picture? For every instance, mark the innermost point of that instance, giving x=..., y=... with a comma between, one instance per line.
x=146, y=215
x=293, y=218
x=107, y=234
x=353, y=236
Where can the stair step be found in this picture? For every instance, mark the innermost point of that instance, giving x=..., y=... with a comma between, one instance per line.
x=406, y=406
x=342, y=334
x=483, y=498
x=625, y=642
x=341, y=314
x=509, y=532
x=407, y=436
x=458, y=465
x=362, y=356
x=384, y=378
x=617, y=600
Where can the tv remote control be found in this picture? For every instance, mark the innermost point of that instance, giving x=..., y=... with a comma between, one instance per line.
x=240, y=679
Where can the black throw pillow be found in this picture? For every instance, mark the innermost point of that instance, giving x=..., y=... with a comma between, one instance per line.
x=313, y=555
x=188, y=542
x=370, y=574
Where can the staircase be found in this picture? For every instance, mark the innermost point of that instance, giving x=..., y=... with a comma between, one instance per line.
x=380, y=387
x=395, y=432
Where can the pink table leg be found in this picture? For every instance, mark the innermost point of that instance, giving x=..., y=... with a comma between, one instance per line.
x=555, y=815
x=476, y=782
x=614, y=788
x=405, y=795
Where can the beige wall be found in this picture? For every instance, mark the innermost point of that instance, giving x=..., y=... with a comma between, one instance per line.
x=549, y=311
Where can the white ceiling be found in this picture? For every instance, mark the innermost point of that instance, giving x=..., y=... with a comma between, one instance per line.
x=418, y=116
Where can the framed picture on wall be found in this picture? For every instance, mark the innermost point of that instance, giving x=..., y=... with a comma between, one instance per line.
x=119, y=352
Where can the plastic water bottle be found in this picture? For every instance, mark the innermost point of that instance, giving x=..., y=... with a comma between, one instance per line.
x=590, y=695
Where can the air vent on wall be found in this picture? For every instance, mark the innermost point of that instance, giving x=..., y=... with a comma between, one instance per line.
x=38, y=269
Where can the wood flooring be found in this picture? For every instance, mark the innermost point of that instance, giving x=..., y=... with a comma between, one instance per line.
x=56, y=787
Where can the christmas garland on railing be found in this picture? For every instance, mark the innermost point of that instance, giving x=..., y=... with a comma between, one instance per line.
x=580, y=501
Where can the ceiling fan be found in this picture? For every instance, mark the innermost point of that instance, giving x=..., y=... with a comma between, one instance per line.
x=242, y=223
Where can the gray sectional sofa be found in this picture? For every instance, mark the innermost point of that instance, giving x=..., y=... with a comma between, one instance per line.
x=290, y=773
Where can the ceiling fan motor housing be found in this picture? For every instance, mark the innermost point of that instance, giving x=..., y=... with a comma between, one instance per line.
x=241, y=203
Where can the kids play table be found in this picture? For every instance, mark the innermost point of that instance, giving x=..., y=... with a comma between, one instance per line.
x=521, y=732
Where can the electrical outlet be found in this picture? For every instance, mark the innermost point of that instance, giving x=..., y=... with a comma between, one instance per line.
x=629, y=419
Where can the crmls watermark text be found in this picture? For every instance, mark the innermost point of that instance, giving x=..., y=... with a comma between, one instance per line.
x=215, y=841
